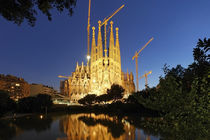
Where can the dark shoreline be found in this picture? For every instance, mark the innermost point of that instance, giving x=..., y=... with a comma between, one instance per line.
x=114, y=109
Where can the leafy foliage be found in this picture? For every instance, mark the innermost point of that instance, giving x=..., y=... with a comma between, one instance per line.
x=88, y=99
x=115, y=92
x=6, y=104
x=103, y=98
x=182, y=95
x=35, y=104
x=20, y=10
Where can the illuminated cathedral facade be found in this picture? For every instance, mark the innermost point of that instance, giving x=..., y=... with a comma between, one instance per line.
x=103, y=71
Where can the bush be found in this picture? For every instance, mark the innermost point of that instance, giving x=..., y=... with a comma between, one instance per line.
x=88, y=99
x=35, y=104
x=115, y=92
x=6, y=104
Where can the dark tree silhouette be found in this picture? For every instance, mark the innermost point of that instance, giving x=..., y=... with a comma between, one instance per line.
x=88, y=99
x=38, y=103
x=44, y=101
x=6, y=104
x=19, y=10
x=115, y=92
x=201, y=52
x=103, y=98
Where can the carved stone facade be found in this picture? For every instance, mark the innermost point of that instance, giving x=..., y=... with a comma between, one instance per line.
x=104, y=70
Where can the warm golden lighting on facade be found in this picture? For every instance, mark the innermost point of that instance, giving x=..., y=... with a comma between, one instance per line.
x=104, y=70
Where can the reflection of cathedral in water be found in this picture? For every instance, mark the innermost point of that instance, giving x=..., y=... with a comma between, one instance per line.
x=98, y=127
x=92, y=127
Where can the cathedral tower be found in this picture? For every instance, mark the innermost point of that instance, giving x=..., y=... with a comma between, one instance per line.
x=104, y=70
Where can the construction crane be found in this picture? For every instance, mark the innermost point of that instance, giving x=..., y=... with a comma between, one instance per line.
x=66, y=77
x=145, y=76
x=88, y=34
x=136, y=57
x=105, y=23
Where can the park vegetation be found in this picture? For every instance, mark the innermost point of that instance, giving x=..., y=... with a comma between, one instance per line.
x=39, y=103
x=182, y=99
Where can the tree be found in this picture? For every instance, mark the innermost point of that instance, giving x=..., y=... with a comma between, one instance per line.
x=103, y=98
x=6, y=104
x=43, y=101
x=35, y=104
x=27, y=104
x=115, y=92
x=88, y=99
x=19, y=10
x=205, y=45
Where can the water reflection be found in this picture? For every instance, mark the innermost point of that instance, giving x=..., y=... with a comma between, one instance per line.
x=72, y=127
x=12, y=128
x=98, y=127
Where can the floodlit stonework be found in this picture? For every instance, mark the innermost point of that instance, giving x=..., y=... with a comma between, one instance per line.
x=104, y=70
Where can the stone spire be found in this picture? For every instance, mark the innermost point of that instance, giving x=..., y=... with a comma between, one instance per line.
x=111, y=41
x=99, y=42
x=77, y=67
x=128, y=76
x=93, y=47
x=117, y=37
x=82, y=65
x=118, y=46
x=131, y=76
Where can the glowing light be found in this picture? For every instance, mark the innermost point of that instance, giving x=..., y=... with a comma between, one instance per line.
x=41, y=116
x=17, y=85
x=88, y=57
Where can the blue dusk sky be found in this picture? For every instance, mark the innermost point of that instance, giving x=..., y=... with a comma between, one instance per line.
x=39, y=54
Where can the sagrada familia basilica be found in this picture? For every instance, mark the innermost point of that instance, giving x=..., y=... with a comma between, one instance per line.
x=103, y=71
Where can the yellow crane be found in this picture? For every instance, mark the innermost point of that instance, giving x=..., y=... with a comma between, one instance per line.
x=136, y=57
x=145, y=76
x=66, y=77
x=105, y=23
x=88, y=34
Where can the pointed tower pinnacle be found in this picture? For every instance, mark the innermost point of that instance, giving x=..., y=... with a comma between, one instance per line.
x=100, y=47
x=77, y=67
x=118, y=46
x=82, y=64
x=111, y=41
x=82, y=68
x=93, y=46
x=128, y=77
x=117, y=37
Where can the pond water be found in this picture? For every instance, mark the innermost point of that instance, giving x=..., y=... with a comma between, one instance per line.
x=71, y=127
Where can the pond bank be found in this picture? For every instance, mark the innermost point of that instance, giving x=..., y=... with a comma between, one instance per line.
x=114, y=109
x=15, y=115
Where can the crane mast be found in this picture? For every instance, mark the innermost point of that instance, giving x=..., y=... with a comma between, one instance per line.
x=136, y=57
x=88, y=34
x=146, y=76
